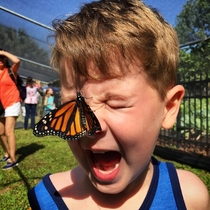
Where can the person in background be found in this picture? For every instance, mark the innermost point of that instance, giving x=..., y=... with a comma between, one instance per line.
x=10, y=98
x=120, y=57
x=30, y=102
x=40, y=106
x=49, y=104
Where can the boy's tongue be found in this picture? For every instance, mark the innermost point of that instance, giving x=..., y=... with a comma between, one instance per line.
x=106, y=161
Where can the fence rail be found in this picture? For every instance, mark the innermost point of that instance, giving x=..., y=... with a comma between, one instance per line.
x=192, y=130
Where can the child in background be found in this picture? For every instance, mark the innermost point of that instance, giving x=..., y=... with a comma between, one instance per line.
x=122, y=56
x=49, y=104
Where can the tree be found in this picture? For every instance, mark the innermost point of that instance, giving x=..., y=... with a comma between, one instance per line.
x=193, y=22
x=19, y=43
x=193, y=30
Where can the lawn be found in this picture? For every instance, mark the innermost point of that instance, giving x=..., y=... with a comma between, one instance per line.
x=37, y=157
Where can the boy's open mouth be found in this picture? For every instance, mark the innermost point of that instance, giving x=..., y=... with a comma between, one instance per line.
x=105, y=163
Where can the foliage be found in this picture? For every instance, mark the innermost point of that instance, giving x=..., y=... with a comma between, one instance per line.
x=37, y=157
x=20, y=44
x=196, y=119
x=193, y=21
x=192, y=24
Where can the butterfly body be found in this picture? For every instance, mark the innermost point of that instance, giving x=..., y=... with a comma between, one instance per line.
x=71, y=121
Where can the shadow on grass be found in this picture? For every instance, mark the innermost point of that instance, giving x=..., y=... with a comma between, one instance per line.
x=25, y=151
x=23, y=179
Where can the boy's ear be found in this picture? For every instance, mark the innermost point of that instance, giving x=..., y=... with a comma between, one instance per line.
x=173, y=101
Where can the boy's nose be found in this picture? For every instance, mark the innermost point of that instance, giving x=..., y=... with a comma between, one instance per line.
x=100, y=116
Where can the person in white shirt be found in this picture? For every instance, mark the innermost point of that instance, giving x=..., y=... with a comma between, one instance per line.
x=30, y=102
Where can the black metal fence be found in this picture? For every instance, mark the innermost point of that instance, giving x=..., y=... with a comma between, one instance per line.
x=192, y=130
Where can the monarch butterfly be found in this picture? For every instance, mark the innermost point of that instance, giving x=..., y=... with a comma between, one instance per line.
x=71, y=121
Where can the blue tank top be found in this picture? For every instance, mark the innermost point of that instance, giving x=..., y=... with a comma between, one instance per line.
x=164, y=192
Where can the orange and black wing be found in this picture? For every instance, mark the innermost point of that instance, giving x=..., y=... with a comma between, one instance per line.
x=92, y=123
x=70, y=121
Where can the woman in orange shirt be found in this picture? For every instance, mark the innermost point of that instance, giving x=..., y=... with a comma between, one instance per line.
x=10, y=99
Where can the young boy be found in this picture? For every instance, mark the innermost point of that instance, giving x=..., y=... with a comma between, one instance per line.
x=122, y=57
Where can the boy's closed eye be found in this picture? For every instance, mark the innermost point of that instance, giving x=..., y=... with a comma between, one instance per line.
x=116, y=101
x=119, y=102
x=115, y=104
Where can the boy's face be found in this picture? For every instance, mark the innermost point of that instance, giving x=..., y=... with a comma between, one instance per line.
x=131, y=114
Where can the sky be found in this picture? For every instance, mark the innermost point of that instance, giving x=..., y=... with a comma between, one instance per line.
x=44, y=12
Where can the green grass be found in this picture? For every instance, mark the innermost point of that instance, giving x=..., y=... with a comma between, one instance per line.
x=37, y=157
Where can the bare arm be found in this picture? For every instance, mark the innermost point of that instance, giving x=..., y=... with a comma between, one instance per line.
x=15, y=60
x=45, y=101
x=194, y=191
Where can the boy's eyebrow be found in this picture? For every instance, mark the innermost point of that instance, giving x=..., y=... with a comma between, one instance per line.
x=114, y=96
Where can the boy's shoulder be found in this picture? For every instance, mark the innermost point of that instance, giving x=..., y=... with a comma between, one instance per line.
x=67, y=179
x=61, y=179
x=194, y=191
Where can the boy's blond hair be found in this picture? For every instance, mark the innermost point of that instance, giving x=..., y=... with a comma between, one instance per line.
x=119, y=31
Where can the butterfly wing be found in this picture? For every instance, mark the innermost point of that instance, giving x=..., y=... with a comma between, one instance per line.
x=91, y=121
x=63, y=122
x=70, y=121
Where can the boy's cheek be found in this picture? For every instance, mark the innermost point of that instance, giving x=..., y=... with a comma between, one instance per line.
x=75, y=148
